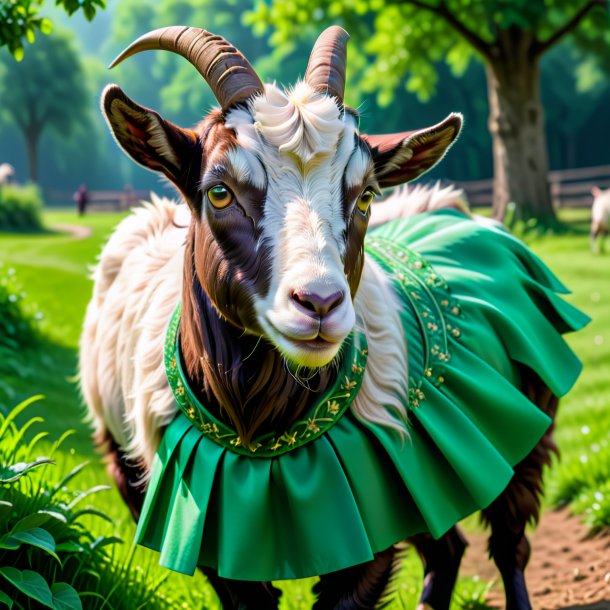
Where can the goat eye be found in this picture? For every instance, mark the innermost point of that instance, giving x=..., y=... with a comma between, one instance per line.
x=220, y=196
x=365, y=200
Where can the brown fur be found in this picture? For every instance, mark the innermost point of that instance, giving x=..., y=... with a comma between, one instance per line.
x=360, y=587
x=128, y=478
x=241, y=378
x=357, y=224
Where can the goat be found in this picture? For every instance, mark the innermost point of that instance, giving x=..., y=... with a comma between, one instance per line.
x=600, y=218
x=354, y=396
x=7, y=171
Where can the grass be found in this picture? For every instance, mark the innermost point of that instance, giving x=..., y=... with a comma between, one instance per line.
x=53, y=268
x=583, y=423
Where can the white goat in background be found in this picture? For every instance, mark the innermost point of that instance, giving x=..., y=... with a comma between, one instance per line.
x=600, y=218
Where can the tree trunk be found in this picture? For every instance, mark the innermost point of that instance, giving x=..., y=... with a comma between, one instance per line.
x=516, y=123
x=31, y=143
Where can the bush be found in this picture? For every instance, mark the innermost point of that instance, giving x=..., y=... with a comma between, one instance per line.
x=19, y=321
x=18, y=317
x=49, y=557
x=20, y=208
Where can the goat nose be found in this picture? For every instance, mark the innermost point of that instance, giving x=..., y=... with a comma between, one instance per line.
x=316, y=303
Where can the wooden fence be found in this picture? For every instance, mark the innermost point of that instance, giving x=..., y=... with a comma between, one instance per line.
x=100, y=200
x=570, y=188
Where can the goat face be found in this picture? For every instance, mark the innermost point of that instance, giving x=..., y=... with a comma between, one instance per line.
x=280, y=184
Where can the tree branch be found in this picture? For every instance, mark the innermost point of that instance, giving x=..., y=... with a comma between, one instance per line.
x=483, y=47
x=542, y=46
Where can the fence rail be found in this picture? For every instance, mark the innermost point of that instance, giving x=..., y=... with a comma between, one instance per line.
x=101, y=200
x=570, y=188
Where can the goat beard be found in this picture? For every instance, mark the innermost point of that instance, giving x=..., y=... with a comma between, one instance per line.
x=242, y=379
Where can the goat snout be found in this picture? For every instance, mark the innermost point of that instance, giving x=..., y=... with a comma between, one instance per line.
x=312, y=302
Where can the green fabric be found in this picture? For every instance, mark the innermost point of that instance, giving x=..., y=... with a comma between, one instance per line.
x=478, y=306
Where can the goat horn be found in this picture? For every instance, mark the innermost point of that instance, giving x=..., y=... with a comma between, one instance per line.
x=227, y=72
x=326, y=67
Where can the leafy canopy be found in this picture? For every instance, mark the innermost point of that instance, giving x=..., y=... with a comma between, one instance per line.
x=19, y=20
x=35, y=96
x=406, y=38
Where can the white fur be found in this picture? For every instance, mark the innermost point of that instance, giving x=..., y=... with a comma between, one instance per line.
x=245, y=167
x=158, y=140
x=305, y=144
x=386, y=375
x=408, y=201
x=137, y=285
x=600, y=215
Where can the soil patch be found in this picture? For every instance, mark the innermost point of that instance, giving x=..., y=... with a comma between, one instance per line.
x=568, y=570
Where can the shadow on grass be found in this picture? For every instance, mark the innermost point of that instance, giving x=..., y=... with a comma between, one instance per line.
x=28, y=230
x=48, y=369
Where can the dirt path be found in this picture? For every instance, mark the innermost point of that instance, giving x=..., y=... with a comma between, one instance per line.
x=567, y=571
x=77, y=231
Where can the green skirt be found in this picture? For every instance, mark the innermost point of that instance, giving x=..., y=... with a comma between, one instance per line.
x=478, y=308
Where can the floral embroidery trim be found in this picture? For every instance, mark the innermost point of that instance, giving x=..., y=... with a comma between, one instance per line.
x=437, y=312
x=323, y=415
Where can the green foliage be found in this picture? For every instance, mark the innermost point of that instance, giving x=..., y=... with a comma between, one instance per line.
x=473, y=595
x=406, y=39
x=594, y=505
x=581, y=476
x=20, y=208
x=47, y=90
x=164, y=80
x=49, y=553
x=19, y=329
x=18, y=317
x=20, y=19
x=583, y=423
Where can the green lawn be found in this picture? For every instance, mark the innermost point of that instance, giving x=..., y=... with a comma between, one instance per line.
x=53, y=270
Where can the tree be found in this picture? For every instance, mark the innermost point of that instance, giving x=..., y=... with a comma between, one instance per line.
x=407, y=38
x=19, y=20
x=47, y=90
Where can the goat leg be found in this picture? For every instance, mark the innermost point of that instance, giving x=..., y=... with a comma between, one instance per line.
x=360, y=587
x=519, y=503
x=511, y=552
x=242, y=594
x=441, y=559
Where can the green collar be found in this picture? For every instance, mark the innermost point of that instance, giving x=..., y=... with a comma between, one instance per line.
x=323, y=414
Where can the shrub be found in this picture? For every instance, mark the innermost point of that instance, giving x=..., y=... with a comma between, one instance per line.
x=20, y=208
x=18, y=317
x=49, y=557
x=18, y=330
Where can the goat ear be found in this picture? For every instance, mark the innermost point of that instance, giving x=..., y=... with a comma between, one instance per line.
x=400, y=157
x=154, y=142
